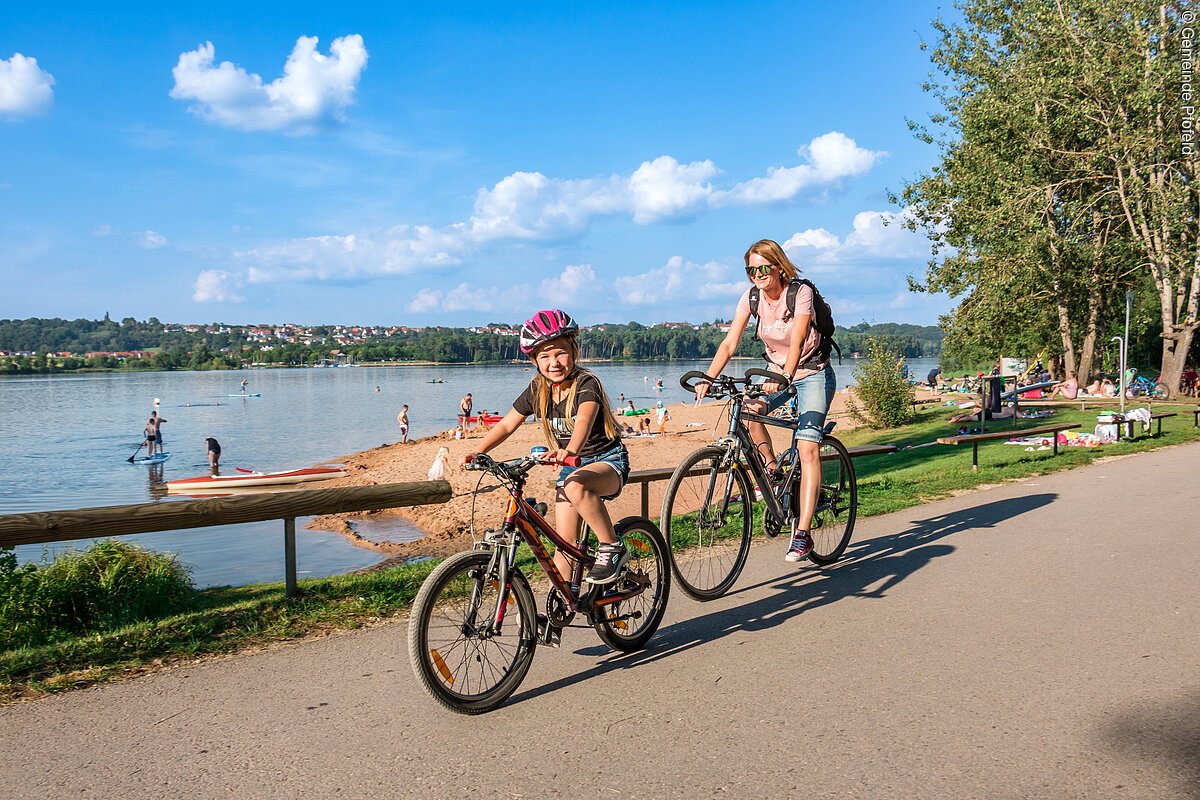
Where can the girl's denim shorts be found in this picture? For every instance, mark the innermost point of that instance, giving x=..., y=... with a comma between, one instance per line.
x=813, y=396
x=617, y=457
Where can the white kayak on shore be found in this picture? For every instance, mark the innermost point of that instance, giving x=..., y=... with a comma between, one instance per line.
x=250, y=478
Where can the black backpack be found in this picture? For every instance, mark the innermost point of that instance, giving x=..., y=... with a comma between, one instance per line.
x=822, y=320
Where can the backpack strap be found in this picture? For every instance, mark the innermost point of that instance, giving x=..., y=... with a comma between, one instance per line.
x=793, y=289
x=754, y=311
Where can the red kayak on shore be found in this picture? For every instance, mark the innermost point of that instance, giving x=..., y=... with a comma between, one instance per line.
x=488, y=419
x=243, y=477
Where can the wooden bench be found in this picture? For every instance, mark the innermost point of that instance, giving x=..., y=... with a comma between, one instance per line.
x=974, y=439
x=648, y=476
x=1156, y=418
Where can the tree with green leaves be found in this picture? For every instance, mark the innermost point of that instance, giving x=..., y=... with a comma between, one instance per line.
x=1061, y=179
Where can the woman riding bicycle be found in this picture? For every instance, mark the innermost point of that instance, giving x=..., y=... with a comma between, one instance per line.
x=577, y=420
x=793, y=347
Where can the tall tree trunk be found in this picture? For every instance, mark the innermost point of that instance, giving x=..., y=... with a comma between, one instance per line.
x=1062, y=305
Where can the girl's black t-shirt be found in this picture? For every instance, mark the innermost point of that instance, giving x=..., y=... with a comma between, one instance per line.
x=588, y=390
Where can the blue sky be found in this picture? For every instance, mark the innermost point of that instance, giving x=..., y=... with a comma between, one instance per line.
x=455, y=164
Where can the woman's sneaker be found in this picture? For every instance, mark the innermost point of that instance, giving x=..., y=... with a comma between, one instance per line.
x=801, y=546
x=610, y=562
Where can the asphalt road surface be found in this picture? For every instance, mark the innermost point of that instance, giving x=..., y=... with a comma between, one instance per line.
x=1038, y=639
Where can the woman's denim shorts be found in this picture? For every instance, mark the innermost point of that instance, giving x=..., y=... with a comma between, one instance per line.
x=616, y=456
x=813, y=396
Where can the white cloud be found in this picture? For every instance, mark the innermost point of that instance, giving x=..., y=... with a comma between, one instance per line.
x=576, y=284
x=24, y=87
x=679, y=282
x=397, y=251
x=151, y=240
x=529, y=206
x=875, y=236
x=104, y=230
x=217, y=286
x=467, y=297
x=313, y=88
x=831, y=156
x=816, y=238
x=665, y=189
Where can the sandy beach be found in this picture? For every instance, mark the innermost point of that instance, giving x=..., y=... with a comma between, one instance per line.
x=447, y=526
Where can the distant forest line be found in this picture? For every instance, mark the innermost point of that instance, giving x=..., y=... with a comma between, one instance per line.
x=38, y=345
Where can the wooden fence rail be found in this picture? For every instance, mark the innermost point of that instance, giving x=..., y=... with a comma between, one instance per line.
x=85, y=523
x=647, y=476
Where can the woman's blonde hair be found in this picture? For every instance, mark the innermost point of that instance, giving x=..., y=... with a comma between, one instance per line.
x=544, y=398
x=771, y=251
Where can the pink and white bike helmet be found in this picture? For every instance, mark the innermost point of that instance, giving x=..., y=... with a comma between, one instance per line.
x=545, y=325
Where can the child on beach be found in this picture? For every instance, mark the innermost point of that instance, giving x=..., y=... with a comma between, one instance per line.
x=575, y=416
x=402, y=419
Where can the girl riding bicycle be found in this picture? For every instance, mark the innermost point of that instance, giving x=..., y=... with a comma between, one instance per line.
x=793, y=346
x=577, y=420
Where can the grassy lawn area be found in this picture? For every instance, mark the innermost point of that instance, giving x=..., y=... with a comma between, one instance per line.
x=222, y=620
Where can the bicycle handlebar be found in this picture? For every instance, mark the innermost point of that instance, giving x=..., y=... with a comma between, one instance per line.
x=517, y=466
x=727, y=384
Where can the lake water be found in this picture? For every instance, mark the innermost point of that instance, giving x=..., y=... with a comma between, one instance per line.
x=64, y=440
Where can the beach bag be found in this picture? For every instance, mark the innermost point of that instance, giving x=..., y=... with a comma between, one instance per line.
x=822, y=320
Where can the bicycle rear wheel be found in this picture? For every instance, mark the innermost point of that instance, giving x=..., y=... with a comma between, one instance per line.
x=707, y=516
x=837, y=504
x=458, y=658
x=629, y=624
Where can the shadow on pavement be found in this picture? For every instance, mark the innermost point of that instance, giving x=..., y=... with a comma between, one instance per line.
x=1165, y=735
x=870, y=569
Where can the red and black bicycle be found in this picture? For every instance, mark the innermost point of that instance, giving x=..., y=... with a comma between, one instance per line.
x=475, y=625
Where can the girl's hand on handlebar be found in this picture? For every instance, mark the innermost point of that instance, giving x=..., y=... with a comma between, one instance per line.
x=561, y=456
x=701, y=390
x=771, y=387
x=466, y=460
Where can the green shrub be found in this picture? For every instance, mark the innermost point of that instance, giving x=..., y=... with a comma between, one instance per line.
x=885, y=396
x=105, y=587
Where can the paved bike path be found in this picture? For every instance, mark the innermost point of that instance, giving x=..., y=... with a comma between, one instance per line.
x=1038, y=639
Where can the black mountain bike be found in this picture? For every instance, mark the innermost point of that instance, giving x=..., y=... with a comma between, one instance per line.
x=708, y=510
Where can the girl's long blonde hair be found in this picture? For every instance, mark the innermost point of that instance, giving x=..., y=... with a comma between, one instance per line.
x=543, y=398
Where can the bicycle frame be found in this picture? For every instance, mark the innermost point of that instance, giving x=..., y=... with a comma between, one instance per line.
x=520, y=517
x=739, y=434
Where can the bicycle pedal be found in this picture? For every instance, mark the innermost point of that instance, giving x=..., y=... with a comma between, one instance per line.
x=548, y=634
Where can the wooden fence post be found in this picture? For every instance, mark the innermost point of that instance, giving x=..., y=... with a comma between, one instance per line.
x=289, y=556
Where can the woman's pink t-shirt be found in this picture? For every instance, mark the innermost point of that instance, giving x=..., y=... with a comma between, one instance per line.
x=776, y=333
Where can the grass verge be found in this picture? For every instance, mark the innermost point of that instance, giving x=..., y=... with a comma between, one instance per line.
x=224, y=620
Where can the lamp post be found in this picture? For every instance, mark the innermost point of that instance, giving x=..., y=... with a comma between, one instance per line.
x=1122, y=376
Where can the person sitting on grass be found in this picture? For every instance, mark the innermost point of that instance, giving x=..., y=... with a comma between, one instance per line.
x=1069, y=388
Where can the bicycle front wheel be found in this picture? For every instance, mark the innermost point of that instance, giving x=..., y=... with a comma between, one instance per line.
x=707, y=516
x=629, y=624
x=1160, y=391
x=837, y=504
x=460, y=657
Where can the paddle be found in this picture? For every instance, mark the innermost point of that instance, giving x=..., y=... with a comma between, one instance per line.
x=135, y=452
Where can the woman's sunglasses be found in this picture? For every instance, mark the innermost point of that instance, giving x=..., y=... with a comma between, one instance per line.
x=760, y=271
